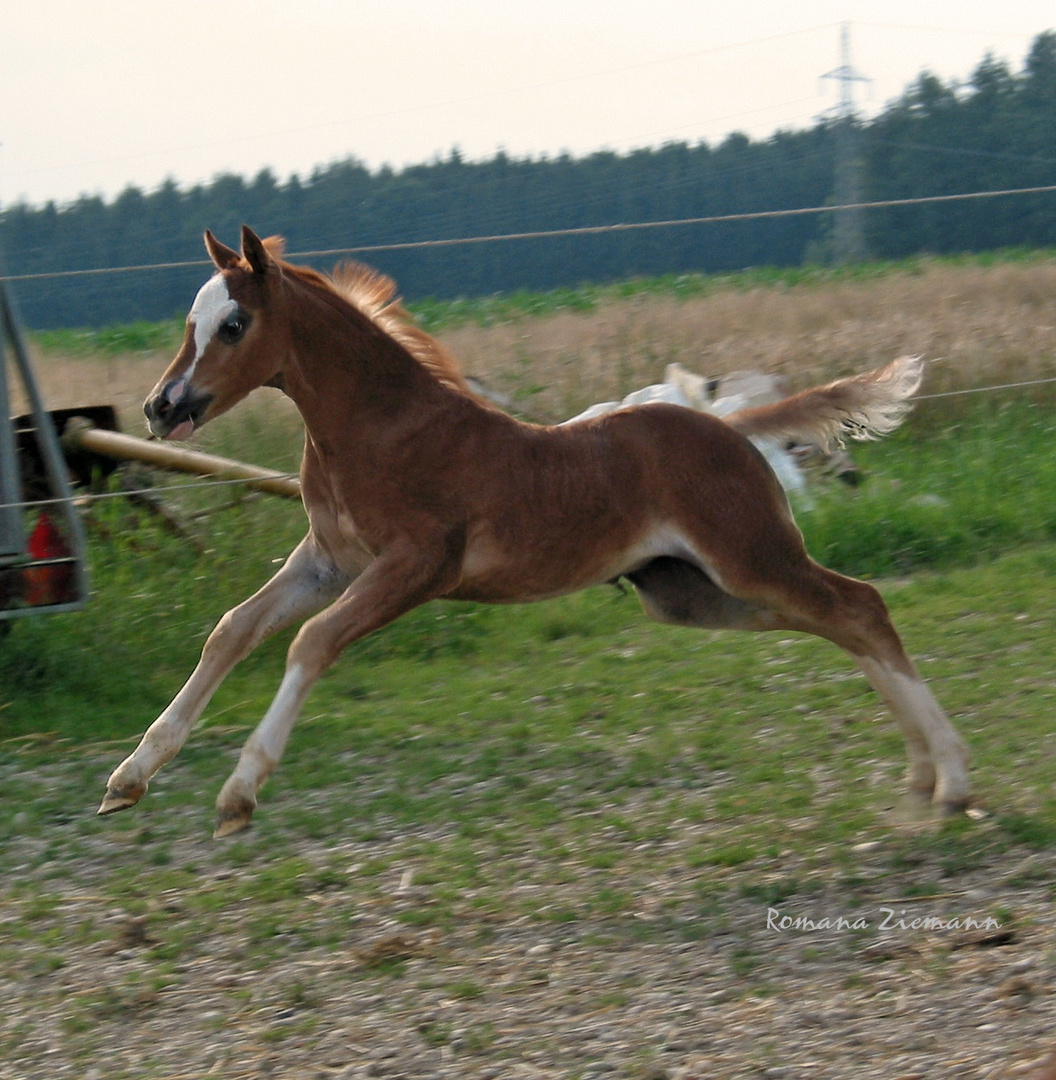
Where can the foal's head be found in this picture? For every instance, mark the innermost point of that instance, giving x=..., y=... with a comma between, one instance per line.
x=227, y=349
x=240, y=331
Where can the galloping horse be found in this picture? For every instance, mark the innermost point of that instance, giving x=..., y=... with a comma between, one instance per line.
x=415, y=488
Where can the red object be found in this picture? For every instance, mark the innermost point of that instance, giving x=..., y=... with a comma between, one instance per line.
x=44, y=585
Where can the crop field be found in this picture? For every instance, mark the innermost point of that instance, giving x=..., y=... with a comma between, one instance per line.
x=561, y=841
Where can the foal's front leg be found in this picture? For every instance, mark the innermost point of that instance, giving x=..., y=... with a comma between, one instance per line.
x=397, y=581
x=306, y=581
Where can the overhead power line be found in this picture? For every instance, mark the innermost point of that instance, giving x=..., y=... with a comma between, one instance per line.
x=1030, y=159
x=758, y=215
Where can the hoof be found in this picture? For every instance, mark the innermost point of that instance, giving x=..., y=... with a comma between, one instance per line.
x=229, y=822
x=951, y=800
x=951, y=808
x=914, y=808
x=911, y=809
x=119, y=799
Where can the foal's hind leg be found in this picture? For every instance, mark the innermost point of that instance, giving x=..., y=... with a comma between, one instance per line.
x=843, y=610
x=938, y=758
x=853, y=615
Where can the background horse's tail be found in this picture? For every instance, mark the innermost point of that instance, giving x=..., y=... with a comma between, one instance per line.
x=860, y=407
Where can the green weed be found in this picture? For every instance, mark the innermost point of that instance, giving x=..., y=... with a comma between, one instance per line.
x=117, y=340
x=943, y=495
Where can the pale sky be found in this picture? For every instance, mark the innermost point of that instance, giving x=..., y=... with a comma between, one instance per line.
x=99, y=94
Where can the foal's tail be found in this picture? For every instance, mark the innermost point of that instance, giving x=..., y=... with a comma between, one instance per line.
x=860, y=407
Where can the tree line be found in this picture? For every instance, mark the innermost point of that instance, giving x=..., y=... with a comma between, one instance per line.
x=997, y=130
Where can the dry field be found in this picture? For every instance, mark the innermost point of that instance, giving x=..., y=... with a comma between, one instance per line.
x=978, y=325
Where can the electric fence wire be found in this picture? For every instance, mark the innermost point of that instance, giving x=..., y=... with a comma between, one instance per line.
x=83, y=497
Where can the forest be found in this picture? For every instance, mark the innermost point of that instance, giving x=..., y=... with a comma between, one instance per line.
x=995, y=130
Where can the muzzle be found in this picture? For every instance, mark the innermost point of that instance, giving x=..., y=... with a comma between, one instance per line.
x=175, y=410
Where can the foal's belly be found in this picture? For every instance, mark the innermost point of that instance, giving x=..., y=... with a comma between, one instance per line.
x=541, y=567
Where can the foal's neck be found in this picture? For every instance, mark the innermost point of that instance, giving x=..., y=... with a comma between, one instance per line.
x=345, y=372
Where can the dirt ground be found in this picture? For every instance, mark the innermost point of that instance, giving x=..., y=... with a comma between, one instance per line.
x=345, y=972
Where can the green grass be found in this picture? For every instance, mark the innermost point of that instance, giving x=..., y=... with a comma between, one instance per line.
x=574, y=732
x=154, y=599
x=117, y=340
x=952, y=489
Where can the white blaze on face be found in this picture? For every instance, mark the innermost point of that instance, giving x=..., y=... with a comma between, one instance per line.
x=211, y=307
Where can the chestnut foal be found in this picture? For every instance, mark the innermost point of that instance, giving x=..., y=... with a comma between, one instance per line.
x=415, y=489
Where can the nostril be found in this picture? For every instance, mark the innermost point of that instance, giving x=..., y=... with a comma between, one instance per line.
x=163, y=403
x=174, y=392
x=157, y=407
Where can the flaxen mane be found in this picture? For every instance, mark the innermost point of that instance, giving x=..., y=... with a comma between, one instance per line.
x=373, y=294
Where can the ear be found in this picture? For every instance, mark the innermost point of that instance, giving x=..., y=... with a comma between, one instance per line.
x=254, y=251
x=221, y=254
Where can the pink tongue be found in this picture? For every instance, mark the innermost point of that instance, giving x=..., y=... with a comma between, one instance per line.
x=182, y=431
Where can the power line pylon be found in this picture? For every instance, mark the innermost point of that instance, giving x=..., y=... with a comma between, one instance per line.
x=848, y=234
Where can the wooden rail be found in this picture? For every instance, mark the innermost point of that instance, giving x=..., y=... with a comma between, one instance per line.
x=80, y=434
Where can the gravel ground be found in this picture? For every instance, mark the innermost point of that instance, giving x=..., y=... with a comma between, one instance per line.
x=627, y=971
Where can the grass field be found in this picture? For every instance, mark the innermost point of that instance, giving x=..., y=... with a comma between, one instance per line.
x=965, y=481
x=548, y=765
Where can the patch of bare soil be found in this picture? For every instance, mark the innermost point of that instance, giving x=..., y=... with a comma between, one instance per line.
x=565, y=971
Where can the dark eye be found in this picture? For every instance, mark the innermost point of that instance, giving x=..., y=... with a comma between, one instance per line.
x=232, y=329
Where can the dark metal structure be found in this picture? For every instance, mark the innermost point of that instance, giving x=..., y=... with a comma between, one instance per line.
x=42, y=545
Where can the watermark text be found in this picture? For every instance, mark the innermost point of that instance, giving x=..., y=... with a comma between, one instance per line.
x=887, y=919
